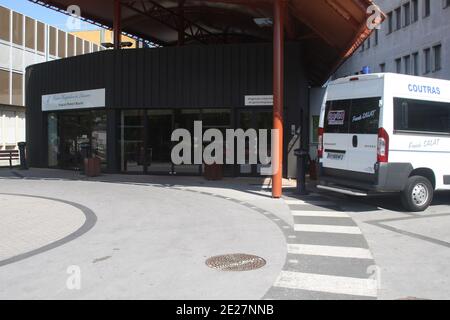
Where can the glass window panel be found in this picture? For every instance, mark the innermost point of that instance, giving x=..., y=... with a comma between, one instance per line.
x=216, y=118
x=53, y=143
x=5, y=20
x=17, y=89
x=52, y=41
x=17, y=28
x=79, y=46
x=87, y=47
x=30, y=33
x=4, y=87
x=132, y=141
x=40, y=36
x=70, y=45
x=61, y=44
x=421, y=116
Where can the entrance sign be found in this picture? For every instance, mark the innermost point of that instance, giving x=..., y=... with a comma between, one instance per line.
x=258, y=101
x=74, y=100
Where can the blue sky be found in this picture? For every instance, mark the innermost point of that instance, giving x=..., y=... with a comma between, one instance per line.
x=43, y=14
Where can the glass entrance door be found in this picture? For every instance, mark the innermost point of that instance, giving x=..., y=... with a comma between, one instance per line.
x=73, y=129
x=158, y=144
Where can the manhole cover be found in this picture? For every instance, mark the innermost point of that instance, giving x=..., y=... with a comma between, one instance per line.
x=236, y=262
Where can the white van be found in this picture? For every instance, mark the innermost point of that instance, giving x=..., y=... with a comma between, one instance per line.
x=386, y=133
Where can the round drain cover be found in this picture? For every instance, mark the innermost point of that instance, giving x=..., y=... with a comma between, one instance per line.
x=236, y=262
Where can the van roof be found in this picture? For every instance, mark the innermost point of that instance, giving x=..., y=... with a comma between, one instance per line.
x=374, y=76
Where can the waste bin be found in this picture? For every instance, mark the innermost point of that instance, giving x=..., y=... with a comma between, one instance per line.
x=23, y=155
x=302, y=160
x=92, y=167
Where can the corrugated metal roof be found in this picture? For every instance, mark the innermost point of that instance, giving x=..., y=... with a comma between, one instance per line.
x=329, y=29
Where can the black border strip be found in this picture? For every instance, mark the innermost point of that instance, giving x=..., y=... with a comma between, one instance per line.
x=91, y=220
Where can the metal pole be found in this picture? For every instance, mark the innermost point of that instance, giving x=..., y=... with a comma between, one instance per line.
x=181, y=23
x=278, y=94
x=117, y=25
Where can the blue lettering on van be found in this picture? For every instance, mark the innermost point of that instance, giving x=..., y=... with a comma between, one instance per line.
x=424, y=89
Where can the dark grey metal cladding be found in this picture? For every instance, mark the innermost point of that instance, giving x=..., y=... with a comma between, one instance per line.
x=173, y=77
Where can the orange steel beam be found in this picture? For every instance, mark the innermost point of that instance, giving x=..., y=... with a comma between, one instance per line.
x=279, y=13
x=117, y=25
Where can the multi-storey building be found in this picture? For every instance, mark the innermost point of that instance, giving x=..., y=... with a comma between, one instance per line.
x=25, y=41
x=104, y=36
x=414, y=39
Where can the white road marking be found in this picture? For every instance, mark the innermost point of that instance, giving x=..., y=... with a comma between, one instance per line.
x=330, y=251
x=327, y=228
x=326, y=214
x=312, y=202
x=326, y=283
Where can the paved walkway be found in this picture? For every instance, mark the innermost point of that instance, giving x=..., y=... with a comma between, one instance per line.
x=150, y=241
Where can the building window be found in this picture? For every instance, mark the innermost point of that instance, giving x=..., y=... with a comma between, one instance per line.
x=30, y=33
x=70, y=45
x=4, y=87
x=87, y=47
x=79, y=47
x=52, y=41
x=415, y=62
x=398, y=18
x=61, y=44
x=426, y=8
x=427, y=60
x=17, y=89
x=415, y=10
x=5, y=20
x=406, y=14
x=376, y=37
x=17, y=28
x=390, y=22
x=437, y=53
x=446, y=4
x=368, y=43
x=398, y=65
x=383, y=67
x=407, y=64
x=40, y=36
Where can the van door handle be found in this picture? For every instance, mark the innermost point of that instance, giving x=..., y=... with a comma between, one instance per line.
x=355, y=141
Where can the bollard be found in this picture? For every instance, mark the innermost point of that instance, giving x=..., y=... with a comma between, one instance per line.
x=23, y=157
x=302, y=156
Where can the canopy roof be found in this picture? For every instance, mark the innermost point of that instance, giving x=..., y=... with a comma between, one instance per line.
x=331, y=30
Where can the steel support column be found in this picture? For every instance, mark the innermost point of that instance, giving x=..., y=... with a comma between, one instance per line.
x=117, y=25
x=278, y=94
x=181, y=23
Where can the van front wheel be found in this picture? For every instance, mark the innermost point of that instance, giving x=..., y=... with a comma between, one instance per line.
x=418, y=194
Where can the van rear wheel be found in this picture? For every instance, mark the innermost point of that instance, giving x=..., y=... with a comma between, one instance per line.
x=418, y=194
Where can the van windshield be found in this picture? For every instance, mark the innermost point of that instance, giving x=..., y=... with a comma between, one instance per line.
x=354, y=116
